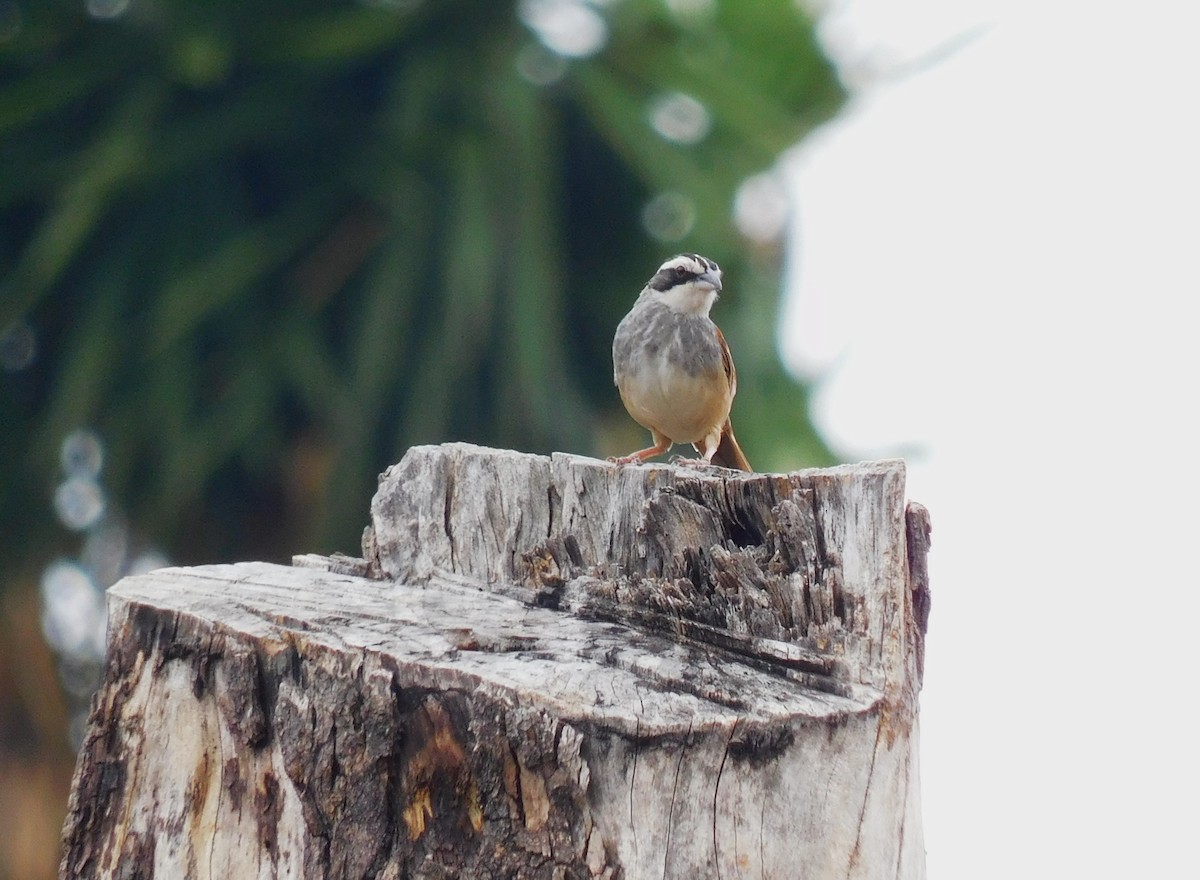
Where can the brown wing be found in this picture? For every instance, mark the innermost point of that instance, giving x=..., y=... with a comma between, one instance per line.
x=729, y=454
x=727, y=362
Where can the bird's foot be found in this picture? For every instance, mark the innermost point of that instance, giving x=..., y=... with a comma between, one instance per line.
x=641, y=455
x=693, y=462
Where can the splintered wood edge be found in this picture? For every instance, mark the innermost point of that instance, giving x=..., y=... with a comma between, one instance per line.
x=499, y=517
x=585, y=672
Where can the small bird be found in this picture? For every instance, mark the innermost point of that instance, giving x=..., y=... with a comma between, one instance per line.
x=673, y=367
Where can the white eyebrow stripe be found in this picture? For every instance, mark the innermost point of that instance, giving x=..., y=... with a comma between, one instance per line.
x=699, y=266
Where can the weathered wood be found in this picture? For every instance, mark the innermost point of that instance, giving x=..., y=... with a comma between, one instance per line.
x=542, y=667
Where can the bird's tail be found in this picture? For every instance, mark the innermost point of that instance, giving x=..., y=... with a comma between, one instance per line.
x=729, y=454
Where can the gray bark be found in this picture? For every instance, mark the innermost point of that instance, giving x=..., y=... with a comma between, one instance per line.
x=542, y=668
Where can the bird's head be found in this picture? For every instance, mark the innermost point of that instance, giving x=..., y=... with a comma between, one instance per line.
x=686, y=283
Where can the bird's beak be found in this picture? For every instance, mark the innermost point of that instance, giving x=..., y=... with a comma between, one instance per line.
x=712, y=278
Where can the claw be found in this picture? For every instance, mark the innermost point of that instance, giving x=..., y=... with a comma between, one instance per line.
x=693, y=462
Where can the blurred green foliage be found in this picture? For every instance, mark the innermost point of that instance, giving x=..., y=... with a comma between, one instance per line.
x=265, y=247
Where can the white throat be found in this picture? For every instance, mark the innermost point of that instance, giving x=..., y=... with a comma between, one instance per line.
x=691, y=298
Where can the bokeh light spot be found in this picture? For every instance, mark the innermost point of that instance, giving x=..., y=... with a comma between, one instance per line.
x=148, y=561
x=106, y=551
x=538, y=66
x=680, y=118
x=107, y=9
x=762, y=207
x=18, y=342
x=570, y=28
x=79, y=503
x=73, y=614
x=82, y=454
x=669, y=216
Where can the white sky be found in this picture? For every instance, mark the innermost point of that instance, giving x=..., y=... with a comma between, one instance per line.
x=996, y=272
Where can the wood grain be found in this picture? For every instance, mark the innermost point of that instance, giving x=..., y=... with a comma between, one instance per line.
x=541, y=667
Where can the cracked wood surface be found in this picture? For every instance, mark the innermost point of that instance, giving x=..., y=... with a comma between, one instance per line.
x=542, y=667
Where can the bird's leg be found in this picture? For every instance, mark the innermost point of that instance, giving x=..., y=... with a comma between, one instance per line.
x=661, y=445
x=707, y=447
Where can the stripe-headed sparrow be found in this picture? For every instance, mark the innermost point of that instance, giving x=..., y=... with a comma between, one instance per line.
x=673, y=368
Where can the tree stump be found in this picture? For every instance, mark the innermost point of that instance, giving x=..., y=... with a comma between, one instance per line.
x=540, y=668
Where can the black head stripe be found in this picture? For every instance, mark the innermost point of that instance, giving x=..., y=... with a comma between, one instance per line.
x=665, y=279
x=669, y=276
